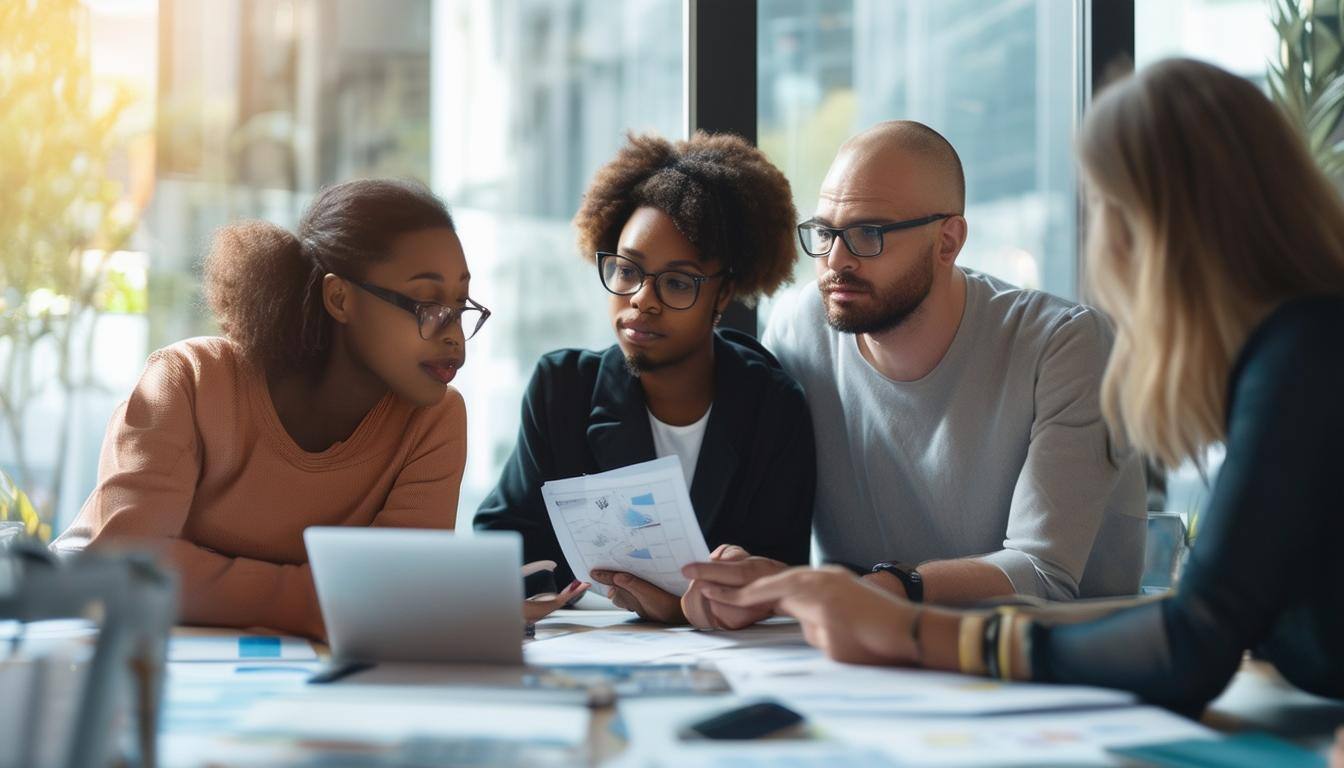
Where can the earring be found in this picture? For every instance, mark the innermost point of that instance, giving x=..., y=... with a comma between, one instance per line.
x=717, y=316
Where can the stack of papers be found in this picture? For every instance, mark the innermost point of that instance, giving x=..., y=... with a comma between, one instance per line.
x=637, y=520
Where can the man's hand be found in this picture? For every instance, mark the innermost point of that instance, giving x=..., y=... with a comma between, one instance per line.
x=848, y=619
x=729, y=566
x=635, y=594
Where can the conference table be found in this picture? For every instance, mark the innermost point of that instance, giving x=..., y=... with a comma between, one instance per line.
x=215, y=715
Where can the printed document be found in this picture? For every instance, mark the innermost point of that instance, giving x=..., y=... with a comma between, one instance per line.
x=636, y=519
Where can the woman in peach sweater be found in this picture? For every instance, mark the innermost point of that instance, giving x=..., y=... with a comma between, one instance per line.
x=326, y=402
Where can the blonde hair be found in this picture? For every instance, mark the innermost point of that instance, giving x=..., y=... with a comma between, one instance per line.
x=1205, y=212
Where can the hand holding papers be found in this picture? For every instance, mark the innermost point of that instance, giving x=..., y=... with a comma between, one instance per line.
x=637, y=519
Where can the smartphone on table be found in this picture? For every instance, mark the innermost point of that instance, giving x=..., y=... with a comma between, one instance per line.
x=756, y=720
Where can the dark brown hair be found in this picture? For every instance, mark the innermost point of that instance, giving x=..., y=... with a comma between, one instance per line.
x=720, y=191
x=264, y=284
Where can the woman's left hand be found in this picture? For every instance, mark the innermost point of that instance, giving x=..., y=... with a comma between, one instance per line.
x=540, y=606
x=849, y=620
x=635, y=594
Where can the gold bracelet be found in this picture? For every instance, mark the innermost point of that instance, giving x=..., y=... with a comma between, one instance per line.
x=1005, y=641
x=969, y=634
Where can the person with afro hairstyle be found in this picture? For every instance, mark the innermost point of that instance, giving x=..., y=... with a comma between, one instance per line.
x=675, y=231
x=326, y=402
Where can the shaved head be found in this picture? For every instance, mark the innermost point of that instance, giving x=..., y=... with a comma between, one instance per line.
x=893, y=156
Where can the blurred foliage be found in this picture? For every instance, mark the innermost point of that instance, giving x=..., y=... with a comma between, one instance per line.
x=15, y=507
x=1307, y=78
x=57, y=203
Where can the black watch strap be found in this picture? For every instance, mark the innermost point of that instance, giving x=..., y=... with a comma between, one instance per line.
x=909, y=576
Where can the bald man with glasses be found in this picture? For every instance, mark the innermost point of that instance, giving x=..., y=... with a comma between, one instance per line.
x=961, y=451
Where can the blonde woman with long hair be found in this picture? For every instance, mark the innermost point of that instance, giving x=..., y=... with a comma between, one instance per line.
x=1218, y=248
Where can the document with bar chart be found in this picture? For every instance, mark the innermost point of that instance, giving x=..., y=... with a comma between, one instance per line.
x=637, y=519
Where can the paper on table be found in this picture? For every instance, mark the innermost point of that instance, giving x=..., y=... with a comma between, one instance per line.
x=607, y=646
x=636, y=519
x=1074, y=738
x=817, y=685
x=653, y=725
x=596, y=619
x=372, y=714
x=756, y=754
x=232, y=647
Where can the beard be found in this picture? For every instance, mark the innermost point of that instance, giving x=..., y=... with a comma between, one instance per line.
x=639, y=363
x=895, y=303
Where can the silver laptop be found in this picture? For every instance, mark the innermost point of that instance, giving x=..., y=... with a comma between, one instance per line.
x=391, y=594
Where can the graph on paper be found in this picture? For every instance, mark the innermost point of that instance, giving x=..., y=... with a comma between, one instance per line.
x=636, y=519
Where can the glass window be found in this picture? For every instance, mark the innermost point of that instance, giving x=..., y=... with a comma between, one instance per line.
x=998, y=78
x=1234, y=34
x=240, y=109
x=530, y=97
x=1237, y=35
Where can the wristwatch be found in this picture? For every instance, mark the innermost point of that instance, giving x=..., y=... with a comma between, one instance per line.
x=910, y=579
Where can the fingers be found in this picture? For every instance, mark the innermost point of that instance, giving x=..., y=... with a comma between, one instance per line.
x=695, y=608
x=622, y=599
x=642, y=590
x=729, y=552
x=538, y=565
x=733, y=573
x=602, y=577
x=569, y=593
x=538, y=606
x=763, y=591
x=731, y=617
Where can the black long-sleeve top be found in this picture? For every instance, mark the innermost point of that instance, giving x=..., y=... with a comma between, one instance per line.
x=584, y=412
x=1266, y=571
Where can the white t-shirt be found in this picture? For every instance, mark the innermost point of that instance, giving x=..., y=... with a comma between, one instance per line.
x=681, y=441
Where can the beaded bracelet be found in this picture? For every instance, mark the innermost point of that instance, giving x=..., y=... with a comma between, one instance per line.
x=969, y=634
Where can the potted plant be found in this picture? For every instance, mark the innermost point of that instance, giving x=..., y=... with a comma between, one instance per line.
x=18, y=518
x=1306, y=79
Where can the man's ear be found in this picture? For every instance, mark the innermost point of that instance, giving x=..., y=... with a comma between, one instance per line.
x=951, y=237
x=336, y=297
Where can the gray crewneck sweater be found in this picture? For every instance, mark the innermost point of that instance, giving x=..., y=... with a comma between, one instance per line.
x=1000, y=452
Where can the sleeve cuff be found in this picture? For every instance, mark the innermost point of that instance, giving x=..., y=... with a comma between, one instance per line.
x=1020, y=570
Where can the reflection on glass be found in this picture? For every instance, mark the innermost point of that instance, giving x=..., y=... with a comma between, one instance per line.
x=1234, y=34
x=246, y=108
x=998, y=78
x=529, y=98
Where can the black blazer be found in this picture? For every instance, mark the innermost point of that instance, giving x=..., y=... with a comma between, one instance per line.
x=584, y=413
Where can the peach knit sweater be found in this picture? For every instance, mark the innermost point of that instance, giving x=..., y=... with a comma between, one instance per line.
x=197, y=465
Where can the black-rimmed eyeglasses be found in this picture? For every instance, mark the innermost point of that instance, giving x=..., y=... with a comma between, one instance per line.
x=675, y=289
x=434, y=318
x=862, y=240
